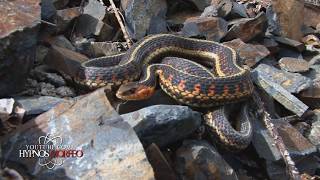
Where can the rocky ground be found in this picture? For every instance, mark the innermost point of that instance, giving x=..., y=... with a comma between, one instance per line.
x=42, y=43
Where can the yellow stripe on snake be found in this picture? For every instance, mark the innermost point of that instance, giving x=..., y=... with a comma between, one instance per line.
x=198, y=73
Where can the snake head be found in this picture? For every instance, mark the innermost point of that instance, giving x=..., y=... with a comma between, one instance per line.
x=134, y=91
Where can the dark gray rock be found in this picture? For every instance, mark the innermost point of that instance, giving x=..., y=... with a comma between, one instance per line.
x=238, y=10
x=18, y=38
x=145, y=17
x=163, y=124
x=201, y=4
x=40, y=74
x=62, y=41
x=65, y=91
x=65, y=16
x=199, y=160
x=314, y=135
x=38, y=105
x=89, y=124
x=48, y=10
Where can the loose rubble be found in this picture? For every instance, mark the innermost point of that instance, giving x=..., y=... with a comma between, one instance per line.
x=42, y=46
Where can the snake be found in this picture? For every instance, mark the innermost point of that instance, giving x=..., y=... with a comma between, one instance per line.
x=195, y=72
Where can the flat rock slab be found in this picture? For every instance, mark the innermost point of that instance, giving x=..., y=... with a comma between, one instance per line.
x=111, y=149
x=276, y=91
x=250, y=53
x=213, y=28
x=18, y=37
x=292, y=82
x=163, y=124
x=294, y=64
x=247, y=28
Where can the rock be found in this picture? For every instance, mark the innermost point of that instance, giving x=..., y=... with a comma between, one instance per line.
x=145, y=17
x=277, y=91
x=163, y=124
x=247, y=28
x=88, y=26
x=311, y=16
x=238, y=11
x=48, y=10
x=225, y=8
x=65, y=17
x=10, y=174
x=64, y=60
x=297, y=145
x=210, y=11
x=41, y=75
x=107, y=146
x=98, y=49
x=18, y=38
x=41, y=53
x=213, y=28
x=311, y=96
x=65, y=91
x=296, y=45
x=293, y=64
x=38, y=105
x=161, y=167
x=271, y=45
x=60, y=4
x=199, y=160
x=201, y=4
x=250, y=53
x=314, y=135
x=61, y=41
x=290, y=24
x=292, y=82
x=95, y=9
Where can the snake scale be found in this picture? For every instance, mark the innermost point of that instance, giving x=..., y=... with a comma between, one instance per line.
x=194, y=72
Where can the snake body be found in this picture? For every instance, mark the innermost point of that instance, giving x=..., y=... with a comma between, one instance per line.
x=198, y=73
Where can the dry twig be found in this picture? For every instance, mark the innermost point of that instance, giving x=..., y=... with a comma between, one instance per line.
x=291, y=168
x=123, y=29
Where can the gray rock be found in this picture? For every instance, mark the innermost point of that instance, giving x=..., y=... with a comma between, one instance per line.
x=199, y=160
x=111, y=149
x=62, y=41
x=48, y=10
x=163, y=124
x=40, y=74
x=38, y=105
x=210, y=11
x=238, y=10
x=297, y=145
x=292, y=82
x=6, y=108
x=18, y=38
x=65, y=17
x=314, y=135
x=294, y=65
x=201, y=4
x=278, y=92
x=212, y=28
x=95, y=10
x=145, y=17
x=65, y=91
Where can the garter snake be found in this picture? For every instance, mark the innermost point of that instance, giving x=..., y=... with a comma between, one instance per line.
x=195, y=72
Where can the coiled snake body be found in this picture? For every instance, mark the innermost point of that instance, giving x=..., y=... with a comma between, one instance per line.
x=208, y=76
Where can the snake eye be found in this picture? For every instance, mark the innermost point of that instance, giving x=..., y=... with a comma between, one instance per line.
x=134, y=91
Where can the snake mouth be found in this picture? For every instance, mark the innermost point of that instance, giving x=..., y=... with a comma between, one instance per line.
x=133, y=91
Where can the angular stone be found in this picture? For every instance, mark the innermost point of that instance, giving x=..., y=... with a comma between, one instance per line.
x=277, y=91
x=6, y=108
x=18, y=38
x=213, y=28
x=163, y=124
x=145, y=17
x=201, y=4
x=48, y=10
x=314, y=135
x=210, y=11
x=290, y=26
x=247, y=28
x=64, y=60
x=109, y=145
x=293, y=64
x=296, y=45
x=250, y=53
x=311, y=16
x=225, y=8
x=292, y=82
x=297, y=145
x=38, y=105
x=271, y=44
x=161, y=167
x=238, y=11
x=199, y=160
x=311, y=96
x=95, y=9
x=42, y=75
x=60, y=4
x=65, y=17
x=98, y=49
x=88, y=26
